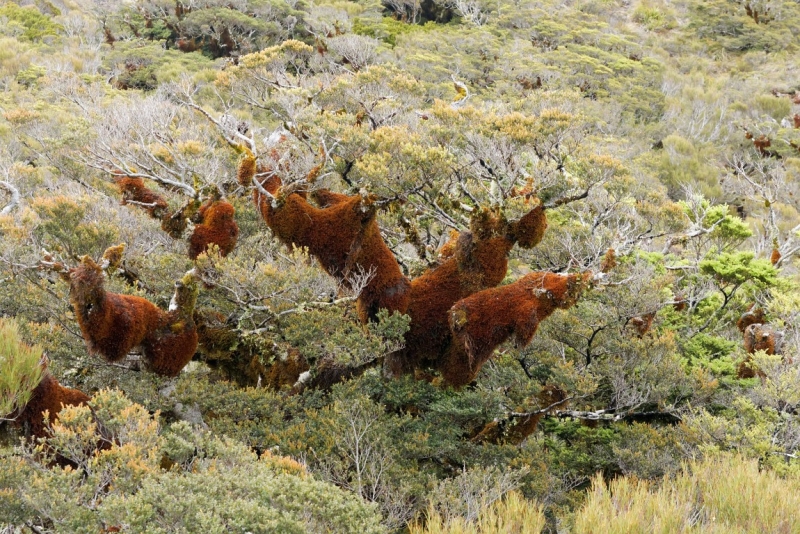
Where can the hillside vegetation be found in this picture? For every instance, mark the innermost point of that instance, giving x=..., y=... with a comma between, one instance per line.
x=400, y=266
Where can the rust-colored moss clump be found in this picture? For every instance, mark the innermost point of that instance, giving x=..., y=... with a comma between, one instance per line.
x=285, y=371
x=529, y=230
x=172, y=346
x=550, y=398
x=754, y=315
x=474, y=260
x=515, y=430
x=344, y=236
x=134, y=191
x=389, y=288
x=761, y=337
x=483, y=321
x=246, y=169
x=327, y=233
x=111, y=324
x=48, y=396
x=757, y=337
x=762, y=143
x=217, y=226
x=642, y=323
x=473, y=266
x=609, y=261
x=174, y=224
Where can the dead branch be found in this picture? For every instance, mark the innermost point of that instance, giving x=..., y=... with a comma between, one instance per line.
x=15, y=197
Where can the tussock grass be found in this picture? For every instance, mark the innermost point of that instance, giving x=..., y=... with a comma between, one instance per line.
x=513, y=515
x=20, y=371
x=724, y=494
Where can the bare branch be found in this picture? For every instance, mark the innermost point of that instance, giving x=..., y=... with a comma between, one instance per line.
x=566, y=200
x=15, y=197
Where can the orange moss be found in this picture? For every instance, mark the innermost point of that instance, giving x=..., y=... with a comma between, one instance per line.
x=448, y=250
x=522, y=428
x=550, y=398
x=760, y=337
x=111, y=324
x=757, y=337
x=326, y=198
x=168, y=349
x=483, y=321
x=217, y=226
x=529, y=230
x=472, y=261
x=747, y=369
x=762, y=143
x=48, y=396
x=285, y=372
x=753, y=315
x=246, y=169
x=492, y=432
x=344, y=237
x=388, y=289
x=609, y=261
x=134, y=190
x=515, y=431
x=327, y=233
x=433, y=293
x=642, y=323
x=175, y=223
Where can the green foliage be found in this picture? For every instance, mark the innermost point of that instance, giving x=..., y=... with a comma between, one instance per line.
x=319, y=334
x=736, y=268
x=20, y=368
x=654, y=18
x=214, y=484
x=711, y=352
x=65, y=227
x=27, y=22
x=773, y=106
x=145, y=66
x=728, y=25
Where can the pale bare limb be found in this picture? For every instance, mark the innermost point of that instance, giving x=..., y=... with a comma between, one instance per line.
x=15, y=197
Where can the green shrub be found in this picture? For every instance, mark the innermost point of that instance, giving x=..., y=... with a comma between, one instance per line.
x=27, y=22
x=179, y=480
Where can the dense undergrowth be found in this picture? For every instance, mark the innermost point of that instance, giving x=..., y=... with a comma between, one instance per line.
x=661, y=138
